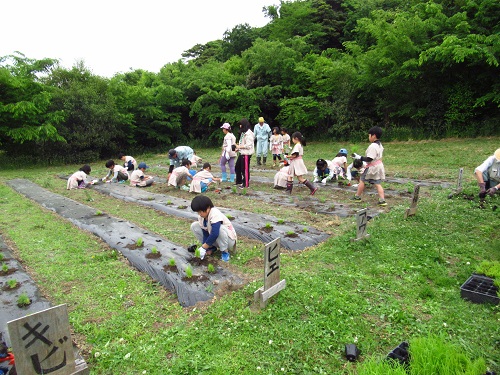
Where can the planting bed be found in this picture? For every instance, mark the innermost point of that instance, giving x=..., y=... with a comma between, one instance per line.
x=122, y=236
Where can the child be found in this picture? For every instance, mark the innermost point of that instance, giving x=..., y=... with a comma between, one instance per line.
x=281, y=177
x=360, y=168
x=374, y=172
x=339, y=163
x=324, y=171
x=488, y=175
x=78, y=180
x=228, y=153
x=119, y=173
x=139, y=179
x=128, y=162
x=276, y=145
x=203, y=179
x=297, y=166
x=213, y=229
x=180, y=175
x=286, y=140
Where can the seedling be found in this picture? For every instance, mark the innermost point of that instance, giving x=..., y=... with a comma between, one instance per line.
x=230, y=217
x=182, y=207
x=89, y=197
x=12, y=283
x=189, y=272
x=139, y=242
x=305, y=230
x=268, y=226
x=5, y=267
x=209, y=288
x=244, y=191
x=171, y=262
x=290, y=233
x=169, y=202
x=23, y=300
x=211, y=268
x=281, y=221
x=98, y=213
x=154, y=250
x=1, y=257
x=233, y=189
x=197, y=253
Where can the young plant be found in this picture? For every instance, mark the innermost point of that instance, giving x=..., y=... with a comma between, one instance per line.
x=139, y=242
x=210, y=288
x=268, y=226
x=154, y=250
x=169, y=202
x=23, y=300
x=189, y=272
x=281, y=221
x=171, y=262
x=290, y=233
x=1, y=257
x=5, y=267
x=305, y=230
x=98, y=213
x=197, y=253
x=233, y=189
x=89, y=197
x=211, y=268
x=12, y=283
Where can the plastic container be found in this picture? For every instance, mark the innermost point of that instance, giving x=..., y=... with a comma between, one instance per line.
x=480, y=289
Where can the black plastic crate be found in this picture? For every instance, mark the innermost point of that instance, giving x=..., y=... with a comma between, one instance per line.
x=480, y=289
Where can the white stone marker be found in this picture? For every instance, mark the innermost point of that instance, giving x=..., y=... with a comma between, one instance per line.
x=272, y=283
x=361, y=222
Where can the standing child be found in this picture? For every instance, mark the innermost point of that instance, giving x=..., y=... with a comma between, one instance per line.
x=203, y=179
x=246, y=149
x=118, y=172
x=286, y=140
x=78, y=180
x=297, y=166
x=276, y=145
x=228, y=153
x=213, y=229
x=374, y=172
x=139, y=179
x=128, y=162
x=180, y=175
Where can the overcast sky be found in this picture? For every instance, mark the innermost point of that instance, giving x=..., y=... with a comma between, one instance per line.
x=113, y=36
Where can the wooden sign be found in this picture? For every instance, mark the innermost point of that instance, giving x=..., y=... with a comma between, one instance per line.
x=459, y=180
x=413, y=207
x=272, y=282
x=361, y=222
x=42, y=343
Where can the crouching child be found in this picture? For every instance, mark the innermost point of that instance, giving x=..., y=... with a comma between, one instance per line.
x=213, y=229
x=139, y=179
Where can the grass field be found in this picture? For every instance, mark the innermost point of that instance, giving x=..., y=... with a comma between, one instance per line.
x=401, y=284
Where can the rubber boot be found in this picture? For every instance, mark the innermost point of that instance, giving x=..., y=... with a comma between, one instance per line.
x=224, y=176
x=258, y=160
x=232, y=176
x=264, y=159
x=311, y=187
x=289, y=187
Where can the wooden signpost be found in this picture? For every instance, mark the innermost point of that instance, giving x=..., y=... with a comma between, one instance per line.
x=458, y=190
x=361, y=222
x=272, y=282
x=42, y=344
x=413, y=207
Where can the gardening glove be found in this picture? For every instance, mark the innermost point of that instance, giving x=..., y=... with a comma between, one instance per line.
x=482, y=190
x=202, y=252
x=491, y=191
x=315, y=179
x=356, y=156
x=323, y=181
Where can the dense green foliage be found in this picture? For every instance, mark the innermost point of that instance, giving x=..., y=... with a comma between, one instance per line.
x=419, y=69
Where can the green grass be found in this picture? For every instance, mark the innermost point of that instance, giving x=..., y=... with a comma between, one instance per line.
x=402, y=284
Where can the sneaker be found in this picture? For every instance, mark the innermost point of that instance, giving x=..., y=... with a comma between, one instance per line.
x=184, y=188
x=382, y=203
x=225, y=256
x=192, y=248
x=241, y=186
x=121, y=182
x=356, y=198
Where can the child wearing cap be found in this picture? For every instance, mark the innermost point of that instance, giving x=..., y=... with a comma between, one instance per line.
x=78, y=180
x=212, y=229
x=203, y=179
x=228, y=153
x=116, y=173
x=139, y=179
x=488, y=175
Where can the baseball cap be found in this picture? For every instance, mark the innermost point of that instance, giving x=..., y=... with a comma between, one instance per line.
x=142, y=165
x=226, y=125
x=261, y=119
x=171, y=153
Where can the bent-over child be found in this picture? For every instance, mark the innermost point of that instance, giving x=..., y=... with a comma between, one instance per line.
x=180, y=175
x=297, y=166
x=116, y=173
x=340, y=163
x=374, y=172
x=139, y=179
x=281, y=177
x=358, y=166
x=213, y=229
x=324, y=171
x=78, y=180
x=203, y=179
x=128, y=162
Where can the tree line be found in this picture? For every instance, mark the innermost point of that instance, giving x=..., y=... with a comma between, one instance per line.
x=328, y=68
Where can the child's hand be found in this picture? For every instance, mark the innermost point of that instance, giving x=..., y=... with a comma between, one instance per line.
x=356, y=156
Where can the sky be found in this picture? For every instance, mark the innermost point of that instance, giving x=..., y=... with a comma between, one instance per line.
x=112, y=36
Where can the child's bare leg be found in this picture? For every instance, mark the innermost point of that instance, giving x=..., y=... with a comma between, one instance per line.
x=380, y=191
x=361, y=188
